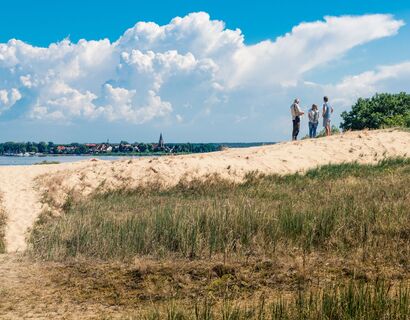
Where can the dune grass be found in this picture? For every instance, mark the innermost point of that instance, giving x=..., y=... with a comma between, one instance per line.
x=333, y=243
x=336, y=208
x=351, y=301
x=2, y=228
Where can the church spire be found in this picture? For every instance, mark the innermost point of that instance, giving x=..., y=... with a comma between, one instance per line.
x=161, y=141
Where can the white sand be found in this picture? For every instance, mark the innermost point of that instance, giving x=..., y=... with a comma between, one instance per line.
x=20, y=200
x=23, y=186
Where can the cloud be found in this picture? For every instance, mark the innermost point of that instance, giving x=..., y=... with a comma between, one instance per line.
x=154, y=71
x=118, y=104
x=8, y=98
x=308, y=46
x=388, y=78
x=382, y=79
x=179, y=118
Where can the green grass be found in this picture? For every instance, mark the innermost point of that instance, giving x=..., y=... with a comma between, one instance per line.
x=336, y=208
x=351, y=301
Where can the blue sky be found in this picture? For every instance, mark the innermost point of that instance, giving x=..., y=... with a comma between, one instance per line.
x=233, y=90
x=46, y=21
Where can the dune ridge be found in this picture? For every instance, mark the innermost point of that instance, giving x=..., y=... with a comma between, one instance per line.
x=24, y=187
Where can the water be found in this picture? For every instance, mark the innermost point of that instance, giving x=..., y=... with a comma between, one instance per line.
x=25, y=161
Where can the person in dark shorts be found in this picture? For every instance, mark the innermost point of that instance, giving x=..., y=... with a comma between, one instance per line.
x=327, y=112
x=296, y=113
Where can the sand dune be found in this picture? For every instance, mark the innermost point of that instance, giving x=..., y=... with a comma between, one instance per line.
x=21, y=201
x=23, y=187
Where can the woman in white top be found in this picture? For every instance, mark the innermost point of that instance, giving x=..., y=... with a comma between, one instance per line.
x=313, y=121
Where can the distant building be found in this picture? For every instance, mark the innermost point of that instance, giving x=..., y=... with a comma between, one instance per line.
x=161, y=144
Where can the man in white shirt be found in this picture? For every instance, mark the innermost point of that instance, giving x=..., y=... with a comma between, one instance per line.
x=296, y=113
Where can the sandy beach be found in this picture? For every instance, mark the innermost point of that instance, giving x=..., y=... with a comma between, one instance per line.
x=23, y=187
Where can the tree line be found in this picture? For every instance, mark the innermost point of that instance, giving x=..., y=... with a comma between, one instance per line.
x=15, y=148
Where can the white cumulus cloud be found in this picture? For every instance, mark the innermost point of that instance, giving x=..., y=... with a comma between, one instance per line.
x=309, y=45
x=383, y=79
x=8, y=98
x=155, y=71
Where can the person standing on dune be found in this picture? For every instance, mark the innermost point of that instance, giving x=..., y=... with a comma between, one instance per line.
x=313, y=115
x=327, y=112
x=296, y=113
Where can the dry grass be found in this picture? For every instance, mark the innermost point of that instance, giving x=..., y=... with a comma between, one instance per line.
x=182, y=289
x=344, y=209
x=2, y=228
x=331, y=244
x=350, y=301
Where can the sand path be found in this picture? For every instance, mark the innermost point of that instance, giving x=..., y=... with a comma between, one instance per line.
x=21, y=197
x=20, y=200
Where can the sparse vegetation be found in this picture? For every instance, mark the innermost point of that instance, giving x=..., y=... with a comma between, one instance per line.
x=47, y=162
x=204, y=247
x=322, y=133
x=2, y=228
x=333, y=130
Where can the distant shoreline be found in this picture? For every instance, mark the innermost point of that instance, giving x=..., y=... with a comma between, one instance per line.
x=54, y=158
x=89, y=155
x=29, y=149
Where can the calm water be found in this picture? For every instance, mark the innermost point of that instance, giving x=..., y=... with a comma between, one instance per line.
x=24, y=161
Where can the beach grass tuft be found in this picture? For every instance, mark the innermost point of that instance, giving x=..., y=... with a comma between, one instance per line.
x=2, y=228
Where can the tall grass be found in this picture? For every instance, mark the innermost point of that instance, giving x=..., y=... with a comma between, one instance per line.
x=337, y=208
x=350, y=301
x=204, y=248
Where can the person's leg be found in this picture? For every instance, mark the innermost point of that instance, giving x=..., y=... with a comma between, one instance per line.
x=328, y=129
x=293, y=129
x=297, y=128
x=314, y=129
x=310, y=130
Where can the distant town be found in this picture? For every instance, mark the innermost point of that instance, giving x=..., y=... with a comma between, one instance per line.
x=107, y=148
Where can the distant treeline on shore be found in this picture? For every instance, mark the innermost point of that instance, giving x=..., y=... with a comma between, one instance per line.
x=50, y=148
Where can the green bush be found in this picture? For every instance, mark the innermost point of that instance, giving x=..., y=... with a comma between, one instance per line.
x=380, y=111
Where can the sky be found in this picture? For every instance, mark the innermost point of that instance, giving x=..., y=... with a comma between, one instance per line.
x=196, y=70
